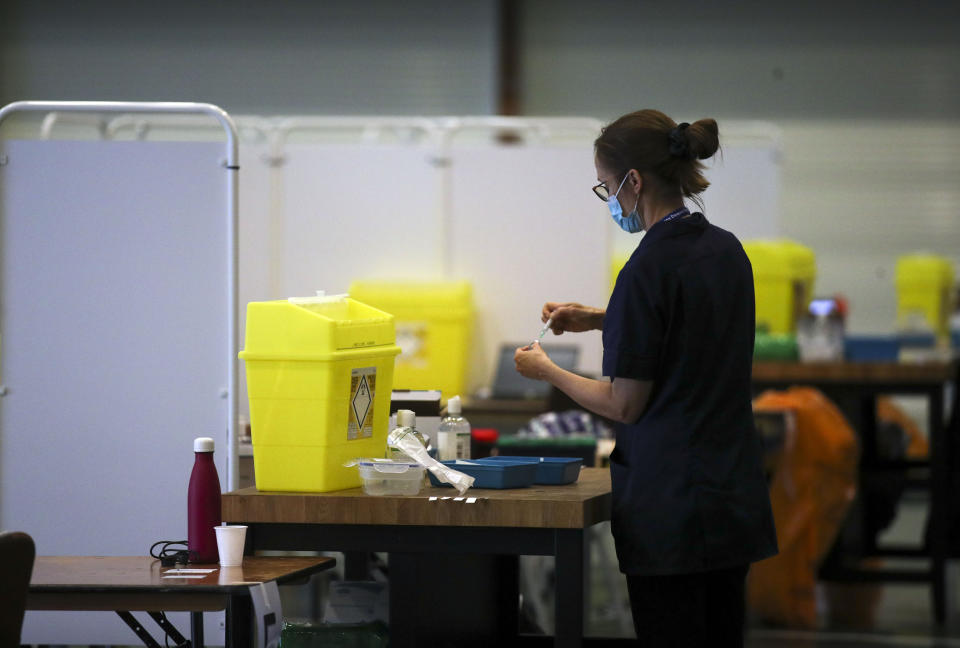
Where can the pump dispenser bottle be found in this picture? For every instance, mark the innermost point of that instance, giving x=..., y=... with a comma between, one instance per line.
x=453, y=435
x=406, y=424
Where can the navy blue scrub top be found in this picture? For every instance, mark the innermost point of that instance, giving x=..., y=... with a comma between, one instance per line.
x=689, y=494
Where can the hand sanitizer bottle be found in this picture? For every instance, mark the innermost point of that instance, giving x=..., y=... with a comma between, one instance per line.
x=453, y=435
x=406, y=424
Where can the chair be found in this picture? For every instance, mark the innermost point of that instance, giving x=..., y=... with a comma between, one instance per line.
x=16, y=564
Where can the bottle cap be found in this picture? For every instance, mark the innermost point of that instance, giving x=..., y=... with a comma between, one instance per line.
x=406, y=418
x=203, y=444
x=485, y=435
x=453, y=405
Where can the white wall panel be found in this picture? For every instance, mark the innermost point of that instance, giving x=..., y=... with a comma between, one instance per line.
x=115, y=347
x=353, y=211
x=526, y=229
x=254, y=269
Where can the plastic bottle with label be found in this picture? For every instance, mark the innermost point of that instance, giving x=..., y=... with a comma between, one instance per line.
x=203, y=504
x=406, y=424
x=453, y=435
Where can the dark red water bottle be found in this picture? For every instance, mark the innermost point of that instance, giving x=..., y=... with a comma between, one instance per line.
x=203, y=504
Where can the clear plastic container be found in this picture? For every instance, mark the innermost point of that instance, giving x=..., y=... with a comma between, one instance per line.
x=390, y=477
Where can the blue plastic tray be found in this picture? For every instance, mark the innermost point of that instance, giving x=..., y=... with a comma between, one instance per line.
x=550, y=470
x=876, y=348
x=493, y=474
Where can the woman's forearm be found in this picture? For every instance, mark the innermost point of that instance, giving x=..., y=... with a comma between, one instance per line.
x=619, y=402
x=598, y=315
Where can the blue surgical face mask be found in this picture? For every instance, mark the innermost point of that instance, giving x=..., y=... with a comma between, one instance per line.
x=631, y=222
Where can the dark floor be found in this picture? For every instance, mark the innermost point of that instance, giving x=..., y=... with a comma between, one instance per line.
x=871, y=615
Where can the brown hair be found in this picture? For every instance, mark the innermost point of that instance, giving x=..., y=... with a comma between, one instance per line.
x=660, y=150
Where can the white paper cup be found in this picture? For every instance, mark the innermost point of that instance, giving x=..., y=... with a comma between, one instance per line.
x=230, y=541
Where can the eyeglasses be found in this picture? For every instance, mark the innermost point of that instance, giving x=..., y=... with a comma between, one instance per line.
x=601, y=191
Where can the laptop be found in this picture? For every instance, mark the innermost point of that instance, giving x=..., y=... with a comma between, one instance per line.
x=508, y=384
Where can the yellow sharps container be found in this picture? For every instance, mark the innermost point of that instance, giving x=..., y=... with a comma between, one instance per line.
x=434, y=324
x=319, y=377
x=924, y=293
x=783, y=275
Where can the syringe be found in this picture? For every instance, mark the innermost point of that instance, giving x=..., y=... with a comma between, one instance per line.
x=546, y=327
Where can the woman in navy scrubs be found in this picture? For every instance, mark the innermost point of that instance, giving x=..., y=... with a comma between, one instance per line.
x=690, y=504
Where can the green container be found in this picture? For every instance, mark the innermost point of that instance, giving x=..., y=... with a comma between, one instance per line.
x=775, y=346
x=334, y=635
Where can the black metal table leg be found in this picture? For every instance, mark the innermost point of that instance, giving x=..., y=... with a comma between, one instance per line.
x=404, y=604
x=138, y=628
x=356, y=565
x=569, y=588
x=168, y=628
x=239, y=622
x=196, y=629
x=939, y=509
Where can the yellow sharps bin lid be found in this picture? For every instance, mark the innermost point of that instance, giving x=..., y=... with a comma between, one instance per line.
x=924, y=269
x=313, y=327
x=781, y=259
x=441, y=299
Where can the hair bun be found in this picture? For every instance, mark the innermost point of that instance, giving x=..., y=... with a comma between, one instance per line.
x=702, y=138
x=679, y=145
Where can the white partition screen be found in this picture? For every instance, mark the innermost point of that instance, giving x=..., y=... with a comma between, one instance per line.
x=526, y=229
x=356, y=211
x=115, y=300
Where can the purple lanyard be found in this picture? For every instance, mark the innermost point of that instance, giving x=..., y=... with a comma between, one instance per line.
x=677, y=213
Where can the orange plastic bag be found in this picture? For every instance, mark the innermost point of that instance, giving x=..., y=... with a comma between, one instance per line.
x=811, y=491
x=889, y=412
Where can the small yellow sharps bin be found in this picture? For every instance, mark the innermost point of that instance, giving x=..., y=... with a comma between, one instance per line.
x=924, y=293
x=319, y=377
x=783, y=274
x=434, y=324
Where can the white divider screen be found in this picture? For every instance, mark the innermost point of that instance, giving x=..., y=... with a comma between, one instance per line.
x=356, y=211
x=257, y=200
x=526, y=229
x=114, y=350
x=744, y=192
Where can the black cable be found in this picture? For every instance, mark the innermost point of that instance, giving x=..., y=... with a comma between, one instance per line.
x=169, y=557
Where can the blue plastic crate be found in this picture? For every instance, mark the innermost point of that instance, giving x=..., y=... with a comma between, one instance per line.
x=550, y=470
x=492, y=474
x=871, y=348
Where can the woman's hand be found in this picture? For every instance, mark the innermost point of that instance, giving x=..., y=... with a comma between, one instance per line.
x=532, y=362
x=572, y=317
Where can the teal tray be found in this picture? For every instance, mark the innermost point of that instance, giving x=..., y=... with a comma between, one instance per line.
x=550, y=470
x=487, y=474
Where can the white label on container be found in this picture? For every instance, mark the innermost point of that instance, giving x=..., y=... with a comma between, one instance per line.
x=363, y=384
x=412, y=339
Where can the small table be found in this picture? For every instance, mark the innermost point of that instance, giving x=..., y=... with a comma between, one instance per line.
x=855, y=387
x=442, y=549
x=125, y=583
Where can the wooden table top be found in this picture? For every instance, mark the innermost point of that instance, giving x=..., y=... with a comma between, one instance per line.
x=859, y=372
x=143, y=573
x=571, y=506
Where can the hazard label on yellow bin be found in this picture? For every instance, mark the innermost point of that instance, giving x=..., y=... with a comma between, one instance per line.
x=362, y=389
